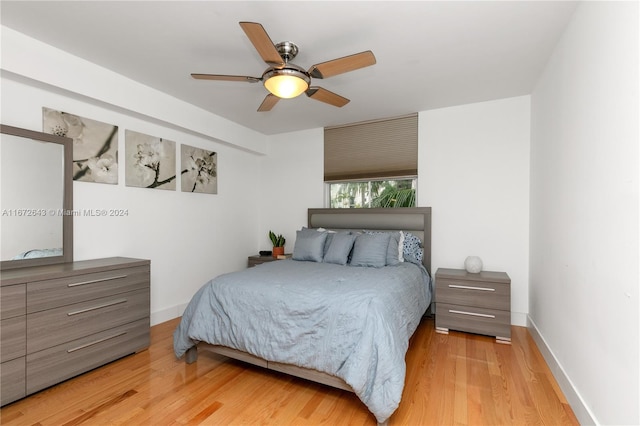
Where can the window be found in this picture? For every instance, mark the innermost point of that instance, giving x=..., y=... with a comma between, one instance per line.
x=382, y=149
x=373, y=193
x=372, y=164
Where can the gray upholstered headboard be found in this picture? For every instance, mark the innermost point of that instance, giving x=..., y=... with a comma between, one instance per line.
x=416, y=220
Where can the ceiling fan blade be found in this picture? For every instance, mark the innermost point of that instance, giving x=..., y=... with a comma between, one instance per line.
x=324, y=95
x=262, y=42
x=268, y=103
x=342, y=65
x=226, y=77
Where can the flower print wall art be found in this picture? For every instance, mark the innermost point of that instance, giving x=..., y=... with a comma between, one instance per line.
x=150, y=161
x=95, y=145
x=199, y=170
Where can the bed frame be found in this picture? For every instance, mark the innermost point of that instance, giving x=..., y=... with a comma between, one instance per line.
x=416, y=220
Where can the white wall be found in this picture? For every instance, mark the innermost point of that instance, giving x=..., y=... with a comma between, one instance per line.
x=189, y=238
x=584, y=213
x=25, y=57
x=291, y=182
x=474, y=173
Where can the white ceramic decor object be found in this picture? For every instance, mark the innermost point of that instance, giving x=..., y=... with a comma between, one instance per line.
x=473, y=264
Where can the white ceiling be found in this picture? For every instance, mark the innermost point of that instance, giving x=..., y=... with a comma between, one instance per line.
x=430, y=54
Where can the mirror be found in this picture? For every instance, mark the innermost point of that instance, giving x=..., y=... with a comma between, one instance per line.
x=36, y=199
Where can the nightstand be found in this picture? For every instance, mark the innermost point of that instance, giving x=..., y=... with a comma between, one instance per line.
x=258, y=260
x=477, y=303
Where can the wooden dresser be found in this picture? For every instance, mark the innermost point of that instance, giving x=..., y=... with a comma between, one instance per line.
x=58, y=321
x=476, y=303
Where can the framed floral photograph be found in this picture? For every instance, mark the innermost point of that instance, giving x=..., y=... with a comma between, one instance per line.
x=95, y=145
x=150, y=162
x=199, y=170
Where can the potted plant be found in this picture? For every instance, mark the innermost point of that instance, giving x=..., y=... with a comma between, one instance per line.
x=278, y=243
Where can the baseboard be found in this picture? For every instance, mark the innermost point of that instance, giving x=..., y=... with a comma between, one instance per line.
x=167, y=314
x=580, y=409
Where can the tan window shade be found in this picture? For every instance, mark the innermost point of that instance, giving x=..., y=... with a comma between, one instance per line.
x=376, y=149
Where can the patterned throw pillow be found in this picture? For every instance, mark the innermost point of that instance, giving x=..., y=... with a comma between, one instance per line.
x=412, y=248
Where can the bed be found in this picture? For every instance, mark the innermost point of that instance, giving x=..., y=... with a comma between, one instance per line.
x=343, y=320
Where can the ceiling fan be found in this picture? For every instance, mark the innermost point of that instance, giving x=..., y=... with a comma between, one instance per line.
x=284, y=79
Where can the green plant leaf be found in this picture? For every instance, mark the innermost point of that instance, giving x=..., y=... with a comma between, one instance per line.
x=276, y=240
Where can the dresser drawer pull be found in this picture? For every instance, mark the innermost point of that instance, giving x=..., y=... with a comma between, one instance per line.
x=96, y=281
x=473, y=314
x=93, y=308
x=96, y=342
x=466, y=287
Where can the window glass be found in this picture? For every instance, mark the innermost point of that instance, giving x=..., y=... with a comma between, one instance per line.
x=386, y=193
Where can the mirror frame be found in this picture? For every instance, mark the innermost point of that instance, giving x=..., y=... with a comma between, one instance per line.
x=67, y=199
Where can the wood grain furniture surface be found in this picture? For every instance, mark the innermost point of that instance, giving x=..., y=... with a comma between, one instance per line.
x=258, y=260
x=416, y=220
x=477, y=303
x=58, y=321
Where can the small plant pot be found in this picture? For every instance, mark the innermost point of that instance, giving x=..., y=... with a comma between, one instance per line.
x=278, y=251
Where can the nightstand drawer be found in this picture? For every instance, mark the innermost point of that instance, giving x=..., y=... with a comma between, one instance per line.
x=473, y=319
x=259, y=260
x=482, y=294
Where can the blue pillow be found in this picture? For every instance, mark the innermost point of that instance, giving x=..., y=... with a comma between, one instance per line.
x=394, y=249
x=339, y=248
x=412, y=248
x=370, y=250
x=309, y=245
x=327, y=242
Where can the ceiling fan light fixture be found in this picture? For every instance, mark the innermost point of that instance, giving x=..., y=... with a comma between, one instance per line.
x=284, y=79
x=286, y=83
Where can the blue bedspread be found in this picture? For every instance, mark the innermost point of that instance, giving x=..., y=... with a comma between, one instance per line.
x=350, y=322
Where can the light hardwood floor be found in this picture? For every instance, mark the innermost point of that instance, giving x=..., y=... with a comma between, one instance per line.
x=451, y=379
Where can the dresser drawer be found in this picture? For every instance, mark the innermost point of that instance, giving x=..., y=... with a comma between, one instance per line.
x=13, y=339
x=12, y=380
x=473, y=319
x=43, y=295
x=12, y=301
x=50, y=366
x=56, y=326
x=481, y=294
